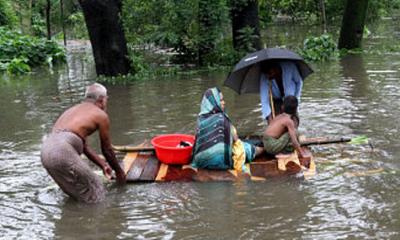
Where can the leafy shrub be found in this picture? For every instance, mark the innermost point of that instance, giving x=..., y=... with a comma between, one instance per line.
x=246, y=39
x=18, y=52
x=38, y=25
x=77, y=24
x=18, y=66
x=186, y=26
x=320, y=48
x=7, y=14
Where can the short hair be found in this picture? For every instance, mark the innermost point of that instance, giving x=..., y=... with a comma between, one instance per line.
x=267, y=65
x=95, y=91
x=290, y=104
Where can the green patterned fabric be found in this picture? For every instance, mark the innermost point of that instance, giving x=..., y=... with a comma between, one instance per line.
x=213, y=145
x=275, y=146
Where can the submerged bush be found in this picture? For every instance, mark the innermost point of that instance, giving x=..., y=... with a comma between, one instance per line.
x=18, y=52
x=320, y=48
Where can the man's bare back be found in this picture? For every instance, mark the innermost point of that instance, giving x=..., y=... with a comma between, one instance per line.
x=62, y=149
x=279, y=125
x=286, y=122
x=82, y=119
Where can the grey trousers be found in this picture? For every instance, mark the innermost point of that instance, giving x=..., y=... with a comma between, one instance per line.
x=60, y=155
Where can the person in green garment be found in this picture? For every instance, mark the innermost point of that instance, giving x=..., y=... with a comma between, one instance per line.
x=280, y=135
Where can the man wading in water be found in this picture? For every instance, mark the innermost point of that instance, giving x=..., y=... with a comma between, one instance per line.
x=61, y=150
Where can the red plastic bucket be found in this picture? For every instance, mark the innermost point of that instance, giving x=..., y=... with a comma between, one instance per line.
x=169, y=151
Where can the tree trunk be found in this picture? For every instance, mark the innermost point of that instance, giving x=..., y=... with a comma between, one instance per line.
x=352, y=29
x=210, y=25
x=244, y=16
x=62, y=22
x=48, y=8
x=323, y=15
x=25, y=10
x=106, y=36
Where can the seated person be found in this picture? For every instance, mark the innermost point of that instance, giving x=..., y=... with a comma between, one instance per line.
x=281, y=134
x=217, y=145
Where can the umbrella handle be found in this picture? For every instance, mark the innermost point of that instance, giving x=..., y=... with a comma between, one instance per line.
x=271, y=100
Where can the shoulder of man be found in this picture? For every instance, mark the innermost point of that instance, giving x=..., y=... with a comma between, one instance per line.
x=98, y=115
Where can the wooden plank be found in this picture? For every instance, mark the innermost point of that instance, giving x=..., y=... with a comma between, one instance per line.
x=205, y=175
x=151, y=169
x=133, y=148
x=146, y=167
x=128, y=161
x=162, y=172
x=265, y=169
x=137, y=167
x=179, y=173
x=257, y=179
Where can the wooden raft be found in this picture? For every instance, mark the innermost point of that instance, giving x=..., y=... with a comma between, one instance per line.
x=145, y=167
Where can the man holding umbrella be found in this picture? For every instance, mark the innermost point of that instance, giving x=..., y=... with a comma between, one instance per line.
x=273, y=73
x=278, y=80
x=276, y=74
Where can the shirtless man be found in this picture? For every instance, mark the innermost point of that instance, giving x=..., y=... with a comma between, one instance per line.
x=61, y=150
x=280, y=135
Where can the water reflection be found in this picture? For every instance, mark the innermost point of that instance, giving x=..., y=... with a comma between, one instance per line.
x=355, y=76
x=80, y=221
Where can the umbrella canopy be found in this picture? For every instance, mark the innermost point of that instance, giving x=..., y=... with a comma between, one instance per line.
x=245, y=77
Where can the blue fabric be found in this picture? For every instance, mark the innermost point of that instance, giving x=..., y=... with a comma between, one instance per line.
x=213, y=144
x=250, y=151
x=292, y=84
x=211, y=102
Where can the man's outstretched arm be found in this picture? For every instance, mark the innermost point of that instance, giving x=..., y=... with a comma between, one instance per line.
x=293, y=136
x=107, y=150
x=92, y=156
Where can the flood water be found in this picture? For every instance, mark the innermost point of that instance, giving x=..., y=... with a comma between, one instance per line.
x=355, y=194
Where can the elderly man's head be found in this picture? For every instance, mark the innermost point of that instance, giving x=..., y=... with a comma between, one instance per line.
x=95, y=91
x=98, y=93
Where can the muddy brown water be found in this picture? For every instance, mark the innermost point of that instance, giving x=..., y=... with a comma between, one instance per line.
x=354, y=195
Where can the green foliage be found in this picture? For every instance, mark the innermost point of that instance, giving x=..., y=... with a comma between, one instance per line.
x=224, y=54
x=76, y=23
x=304, y=10
x=320, y=48
x=18, y=52
x=212, y=19
x=8, y=16
x=38, y=25
x=381, y=8
x=18, y=66
x=180, y=25
x=362, y=139
x=265, y=13
x=246, y=39
x=295, y=10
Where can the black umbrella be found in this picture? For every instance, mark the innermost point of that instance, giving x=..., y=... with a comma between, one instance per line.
x=245, y=77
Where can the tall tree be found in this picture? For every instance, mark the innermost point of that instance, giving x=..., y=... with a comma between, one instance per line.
x=106, y=36
x=25, y=12
x=212, y=14
x=245, y=25
x=48, y=22
x=63, y=22
x=323, y=15
x=352, y=29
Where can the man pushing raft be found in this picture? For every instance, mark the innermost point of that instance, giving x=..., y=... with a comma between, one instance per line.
x=61, y=150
